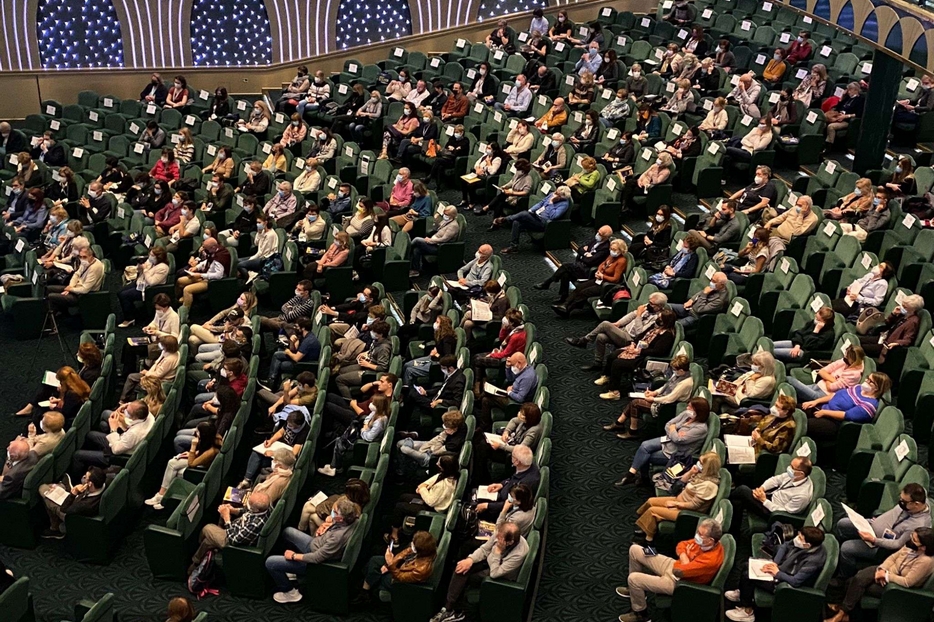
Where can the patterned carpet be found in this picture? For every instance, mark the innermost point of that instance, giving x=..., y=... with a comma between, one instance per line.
x=590, y=522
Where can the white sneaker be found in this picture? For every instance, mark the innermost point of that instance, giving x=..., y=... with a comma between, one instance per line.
x=602, y=380
x=292, y=596
x=158, y=506
x=126, y=324
x=741, y=615
x=327, y=470
x=154, y=500
x=732, y=596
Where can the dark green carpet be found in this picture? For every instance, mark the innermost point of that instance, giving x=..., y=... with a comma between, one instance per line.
x=590, y=521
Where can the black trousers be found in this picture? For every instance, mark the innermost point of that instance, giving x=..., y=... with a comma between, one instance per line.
x=459, y=582
x=742, y=499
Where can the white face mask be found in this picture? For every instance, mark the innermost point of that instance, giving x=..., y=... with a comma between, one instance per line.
x=614, y=253
x=866, y=388
x=659, y=218
x=774, y=411
x=223, y=372
x=801, y=544
x=759, y=180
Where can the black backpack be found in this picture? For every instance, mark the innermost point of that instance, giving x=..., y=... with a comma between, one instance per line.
x=777, y=535
x=203, y=576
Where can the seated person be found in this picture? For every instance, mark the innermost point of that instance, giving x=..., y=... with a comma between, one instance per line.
x=771, y=432
x=327, y=544
x=758, y=383
x=211, y=264
x=899, y=330
x=816, y=335
x=523, y=429
x=242, y=530
x=537, y=217
x=612, y=271
x=519, y=142
x=436, y=494
x=243, y=225
x=676, y=389
x=376, y=358
x=474, y=274
x=303, y=347
x=200, y=454
x=587, y=258
x=444, y=344
x=311, y=228
x=526, y=472
x=554, y=117
x=757, y=254
x=335, y=256
x=721, y=228
x=682, y=265
x=277, y=480
x=685, y=434
x=291, y=430
x=843, y=373
x=712, y=299
x=797, y=563
x=656, y=342
x=20, y=461
x=82, y=500
x=420, y=208
x=586, y=180
x=621, y=155
x=152, y=272
x=757, y=139
x=850, y=207
x=797, y=221
x=553, y=159
x=699, y=486
x=617, y=110
x=874, y=220
x=500, y=557
x=494, y=295
x=857, y=404
x=911, y=567
x=374, y=422
x=521, y=384
x=445, y=230
x=447, y=442
x=410, y=565
x=267, y=245
x=72, y=393
x=758, y=195
x=790, y=491
x=698, y=561
x=587, y=134
x=448, y=394
x=128, y=425
x=52, y=433
x=300, y=391
x=627, y=330
x=511, y=340
x=510, y=192
x=301, y=305
x=281, y=207
x=163, y=368
x=88, y=277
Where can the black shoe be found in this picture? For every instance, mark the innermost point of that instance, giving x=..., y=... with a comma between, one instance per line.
x=52, y=534
x=591, y=367
x=561, y=310
x=629, y=478
x=509, y=250
x=463, y=204
x=616, y=425
x=404, y=435
x=577, y=342
x=628, y=435
x=492, y=227
x=544, y=285
x=363, y=599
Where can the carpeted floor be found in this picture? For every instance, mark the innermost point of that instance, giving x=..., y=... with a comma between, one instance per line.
x=590, y=521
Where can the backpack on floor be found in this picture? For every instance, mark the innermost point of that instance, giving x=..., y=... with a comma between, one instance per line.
x=203, y=576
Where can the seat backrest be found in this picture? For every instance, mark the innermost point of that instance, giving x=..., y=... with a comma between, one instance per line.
x=729, y=554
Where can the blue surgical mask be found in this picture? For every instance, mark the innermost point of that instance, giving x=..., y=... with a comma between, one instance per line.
x=260, y=226
x=398, y=179
x=361, y=297
x=898, y=169
x=698, y=539
x=157, y=191
x=312, y=217
x=333, y=514
x=858, y=192
x=790, y=472
x=370, y=320
x=876, y=201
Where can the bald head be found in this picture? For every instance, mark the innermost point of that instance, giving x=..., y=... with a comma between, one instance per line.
x=719, y=280
x=606, y=231
x=559, y=103
x=259, y=502
x=486, y=251
x=209, y=245
x=18, y=450
x=517, y=360
x=5, y=128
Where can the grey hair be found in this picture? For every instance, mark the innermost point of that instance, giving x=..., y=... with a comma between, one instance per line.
x=284, y=457
x=660, y=297
x=80, y=243
x=523, y=453
x=563, y=191
x=713, y=528
x=347, y=509
x=913, y=303
x=765, y=361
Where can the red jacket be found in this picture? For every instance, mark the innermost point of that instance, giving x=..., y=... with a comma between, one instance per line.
x=798, y=52
x=169, y=216
x=514, y=343
x=703, y=566
x=238, y=384
x=165, y=172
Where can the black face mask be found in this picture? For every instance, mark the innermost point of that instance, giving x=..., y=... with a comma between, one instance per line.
x=903, y=505
x=911, y=545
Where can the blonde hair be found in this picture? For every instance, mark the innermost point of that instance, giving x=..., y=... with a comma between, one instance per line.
x=665, y=157
x=765, y=361
x=620, y=245
x=710, y=466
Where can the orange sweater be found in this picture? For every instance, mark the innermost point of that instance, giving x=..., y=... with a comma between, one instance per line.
x=613, y=269
x=703, y=565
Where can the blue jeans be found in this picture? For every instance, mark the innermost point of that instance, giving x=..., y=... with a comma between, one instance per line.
x=280, y=363
x=303, y=105
x=806, y=392
x=416, y=368
x=254, y=464
x=649, y=452
x=250, y=265
x=782, y=351
x=524, y=221
x=685, y=317
x=420, y=247
x=278, y=566
x=410, y=449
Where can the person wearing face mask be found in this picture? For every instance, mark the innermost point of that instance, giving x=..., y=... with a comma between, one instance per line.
x=364, y=117
x=94, y=207
x=436, y=494
x=187, y=226
x=590, y=60
x=267, y=244
x=17, y=201
x=274, y=484
x=310, y=178
x=449, y=441
x=589, y=256
x=723, y=56
x=376, y=358
x=902, y=182
x=413, y=564
x=757, y=383
x=806, y=342
x=295, y=91
x=62, y=251
x=153, y=137
x=363, y=220
x=447, y=394
x=716, y=120
x=290, y=430
x=775, y=69
x=875, y=219
x=711, y=299
x=910, y=567
x=243, y=530
x=858, y=404
x=163, y=368
x=523, y=429
x=444, y=344
x=518, y=100
x=170, y=214
x=473, y=275
x=891, y=531
x=177, y=96
x=848, y=108
x=401, y=196
x=519, y=141
x=585, y=137
x=868, y=291
x=757, y=139
x=303, y=346
x=87, y=277
x=609, y=70
x=128, y=425
x=681, y=101
x=582, y=95
x=677, y=388
x=627, y=330
x=338, y=203
x=773, y=431
x=698, y=561
x=34, y=219
x=707, y=80
x=655, y=175
x=840, y=374
x=798, y=221
x=621, y=155
x=456, y=106
x=796, y=563
x=258, y=121
x=617, y=110
x=327, y=544
x=850, y=207
x=154, y=92
x=406, y=126
x=218, y=199
x=446, y=229
x=82, y=500
x=636, y=82
x=11, y=140
x=508, y=194
x=536, y=218
x=223, y=163
x=219, y=106
x=47, y=435
x=281, y=207
x=694, y=491
x=520, y=383
x=908, y=111
x=19, y=462
x=336, y=255
x=276, y=163
x=151, y=273
x=457, y=146
x=205, y=446
x=553, y=159
x=482, y=86
x=790, y=491
x=899, y=330
x=318, y=94
x=311, y=228
x=368, y=428
x=681, y=14
x=49, y=151
x=611, y=271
